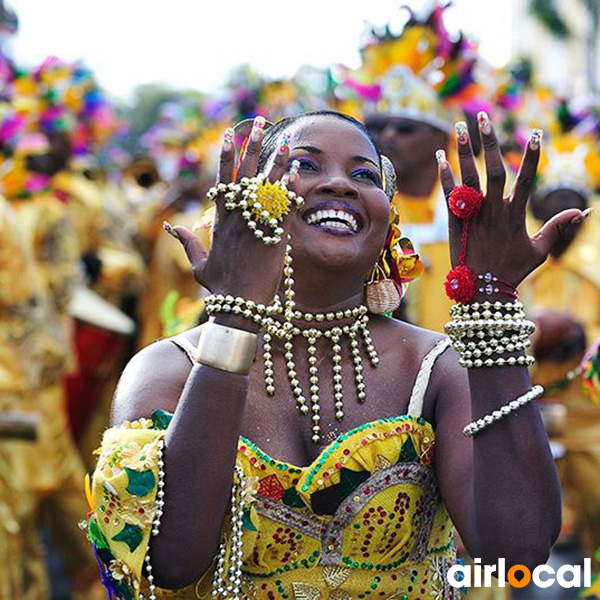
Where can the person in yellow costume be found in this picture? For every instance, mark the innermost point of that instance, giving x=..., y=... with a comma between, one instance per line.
x=22, y=575
x=53, y=465
x=254, y=490
x=409, y=86
x=569, y=284
x=168, y=270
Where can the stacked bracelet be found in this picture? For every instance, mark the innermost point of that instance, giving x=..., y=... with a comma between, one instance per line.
x=476, y=426
x=483, y=332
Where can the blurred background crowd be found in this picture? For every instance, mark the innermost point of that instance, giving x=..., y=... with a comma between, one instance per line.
x=87, y=276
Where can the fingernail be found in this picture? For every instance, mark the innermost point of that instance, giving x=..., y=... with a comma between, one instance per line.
x=582, y=217
x=228, y=137
x=484, y=122
x=462, y=132
x=169, y=229
x=536, y=139
x=440, y=156
x=259, y=122
x=294, y=168
x=256, y=133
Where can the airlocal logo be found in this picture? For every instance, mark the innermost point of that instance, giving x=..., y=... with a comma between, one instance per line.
x=478, y=575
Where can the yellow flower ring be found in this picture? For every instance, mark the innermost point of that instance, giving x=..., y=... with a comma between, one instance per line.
x=271, y=201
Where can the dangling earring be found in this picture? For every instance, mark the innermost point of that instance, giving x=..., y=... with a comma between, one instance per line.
x=381, y=295
x=398, y=264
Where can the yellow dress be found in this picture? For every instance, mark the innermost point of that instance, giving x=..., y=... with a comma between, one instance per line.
x=425, y=222
x=364, y=519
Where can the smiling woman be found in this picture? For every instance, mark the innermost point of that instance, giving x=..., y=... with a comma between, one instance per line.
x=308, y=471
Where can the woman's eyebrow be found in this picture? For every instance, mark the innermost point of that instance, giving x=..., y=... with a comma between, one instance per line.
x=311, y=149
x=365, y=159
x=315, y=150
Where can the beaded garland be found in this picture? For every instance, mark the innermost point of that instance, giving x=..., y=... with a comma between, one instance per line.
x=269, y=319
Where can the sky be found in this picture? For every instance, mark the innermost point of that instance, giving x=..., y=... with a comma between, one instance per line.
x=195, y=43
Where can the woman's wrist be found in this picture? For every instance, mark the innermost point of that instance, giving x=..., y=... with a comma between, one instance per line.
x=236, y=322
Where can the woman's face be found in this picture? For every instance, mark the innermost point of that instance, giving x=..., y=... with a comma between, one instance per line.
x=344, y=221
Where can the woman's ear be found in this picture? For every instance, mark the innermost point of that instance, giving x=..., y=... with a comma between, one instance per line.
x=388, y=176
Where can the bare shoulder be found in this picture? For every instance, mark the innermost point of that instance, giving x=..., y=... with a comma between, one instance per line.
x=407, y=341
x=410, y=345
x=153, y=379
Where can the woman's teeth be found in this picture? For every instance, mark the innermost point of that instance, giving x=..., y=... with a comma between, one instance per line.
x=334, y=219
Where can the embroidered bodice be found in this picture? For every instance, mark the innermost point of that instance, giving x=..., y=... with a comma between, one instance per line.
x=364, y=519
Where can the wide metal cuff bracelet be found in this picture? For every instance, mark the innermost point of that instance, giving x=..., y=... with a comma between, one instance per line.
x=226, y=348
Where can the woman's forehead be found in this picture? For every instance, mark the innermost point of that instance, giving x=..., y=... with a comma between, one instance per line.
x=329, y=132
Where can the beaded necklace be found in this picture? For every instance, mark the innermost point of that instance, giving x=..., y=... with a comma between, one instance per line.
x=273, y=326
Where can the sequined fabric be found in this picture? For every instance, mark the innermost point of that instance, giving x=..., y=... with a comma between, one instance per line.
x=363, y=520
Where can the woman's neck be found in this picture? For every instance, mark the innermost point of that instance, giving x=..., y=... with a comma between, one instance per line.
x=326, y=292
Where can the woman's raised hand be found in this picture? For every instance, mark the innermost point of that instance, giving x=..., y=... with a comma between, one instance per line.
x=497, y=240
x=238, y=263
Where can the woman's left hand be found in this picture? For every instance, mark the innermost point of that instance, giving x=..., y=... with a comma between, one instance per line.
x=498, y=241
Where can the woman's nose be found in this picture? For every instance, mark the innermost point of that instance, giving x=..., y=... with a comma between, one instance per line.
x=338, y=185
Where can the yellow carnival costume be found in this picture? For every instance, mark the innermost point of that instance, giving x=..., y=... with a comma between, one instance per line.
x=364, y=518
x=20, y=321
x=425, y=222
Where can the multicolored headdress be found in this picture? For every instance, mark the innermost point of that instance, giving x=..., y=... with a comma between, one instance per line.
x=571, y=157
x=422, y=73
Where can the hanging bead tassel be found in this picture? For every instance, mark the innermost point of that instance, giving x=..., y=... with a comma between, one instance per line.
x=160, y=502
x=230, y=585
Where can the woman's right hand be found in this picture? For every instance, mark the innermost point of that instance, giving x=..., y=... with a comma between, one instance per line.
x=238, y=263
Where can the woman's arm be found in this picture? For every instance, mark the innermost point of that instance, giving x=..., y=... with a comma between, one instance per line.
x=201, y=440
x=200, y=452
x=500, y=486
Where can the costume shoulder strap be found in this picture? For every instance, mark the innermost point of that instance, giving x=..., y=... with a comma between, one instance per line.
x=185, y=345
x=415, y=406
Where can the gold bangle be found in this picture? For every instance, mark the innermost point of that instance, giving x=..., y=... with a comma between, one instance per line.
x=226, y=348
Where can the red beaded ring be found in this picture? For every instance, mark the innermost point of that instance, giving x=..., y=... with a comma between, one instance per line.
x=461, y=284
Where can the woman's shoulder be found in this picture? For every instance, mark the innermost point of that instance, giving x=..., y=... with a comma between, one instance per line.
x=154, y=378
x=401, y=335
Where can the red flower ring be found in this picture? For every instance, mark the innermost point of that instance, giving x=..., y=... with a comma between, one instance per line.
x=461, y=284
x=465, y=201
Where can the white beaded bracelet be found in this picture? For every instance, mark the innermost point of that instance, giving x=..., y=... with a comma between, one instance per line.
x=511, y=361
x=476, y=426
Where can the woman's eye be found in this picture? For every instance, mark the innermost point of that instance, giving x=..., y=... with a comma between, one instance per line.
x=368, y=175
x=305, y=164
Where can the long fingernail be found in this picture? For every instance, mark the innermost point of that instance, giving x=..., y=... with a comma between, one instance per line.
x=462, y=132
x=257, y=128
x=440, y=156
x=169, y=229
x=484, y=122
x=228, y=137
x=582, y=217
x=285, y=142
x=256, y=134
x=294, y=168
x=536, y=139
